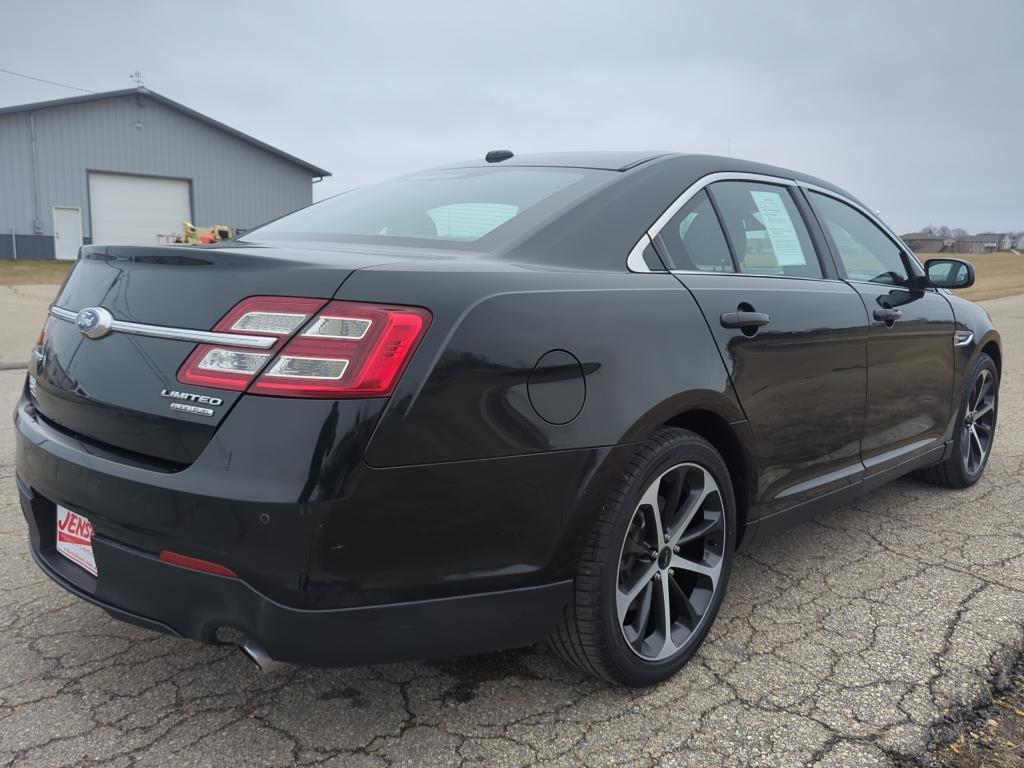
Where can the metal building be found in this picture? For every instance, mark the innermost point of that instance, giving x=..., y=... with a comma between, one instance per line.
x=129, y=167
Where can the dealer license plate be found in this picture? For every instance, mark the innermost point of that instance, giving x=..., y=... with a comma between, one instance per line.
x=74, y=539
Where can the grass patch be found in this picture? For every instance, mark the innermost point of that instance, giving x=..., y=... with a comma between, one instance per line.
x=33, y=271
x=999, y=274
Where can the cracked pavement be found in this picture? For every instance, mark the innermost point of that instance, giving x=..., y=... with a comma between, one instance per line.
x=840, y=643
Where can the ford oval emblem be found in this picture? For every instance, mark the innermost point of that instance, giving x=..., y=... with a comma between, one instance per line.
x=94, y=322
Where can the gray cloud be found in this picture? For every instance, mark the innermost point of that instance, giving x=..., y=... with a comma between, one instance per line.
x=916, y=107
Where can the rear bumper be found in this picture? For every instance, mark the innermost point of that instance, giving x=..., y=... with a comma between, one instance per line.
x=338, y=562
x=139, y=588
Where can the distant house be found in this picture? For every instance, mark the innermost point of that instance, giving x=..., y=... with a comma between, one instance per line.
x=922, y=242
x=987, y=243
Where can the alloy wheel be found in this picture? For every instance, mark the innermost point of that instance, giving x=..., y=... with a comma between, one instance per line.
x=979, y=422
x=671, y=561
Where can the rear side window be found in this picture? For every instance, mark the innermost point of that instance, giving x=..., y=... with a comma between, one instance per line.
x=472, y=208
x=866, y=251
x=693, y=238
x=765, y=229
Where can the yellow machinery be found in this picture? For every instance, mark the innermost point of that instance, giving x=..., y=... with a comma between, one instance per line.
x=193, y=235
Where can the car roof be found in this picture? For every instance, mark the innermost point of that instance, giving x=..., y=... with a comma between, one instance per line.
x=604, y=160
x=624, y=160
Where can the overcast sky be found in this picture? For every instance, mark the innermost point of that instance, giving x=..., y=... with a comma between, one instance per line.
x=916, y=107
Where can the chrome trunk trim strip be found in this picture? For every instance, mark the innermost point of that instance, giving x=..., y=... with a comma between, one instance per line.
x=177, y=334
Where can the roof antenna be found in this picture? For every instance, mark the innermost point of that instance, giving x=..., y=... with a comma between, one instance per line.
x=497, y=155
x=137, y=77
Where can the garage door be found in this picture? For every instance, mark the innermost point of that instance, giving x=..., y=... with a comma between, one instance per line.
x=135, y=209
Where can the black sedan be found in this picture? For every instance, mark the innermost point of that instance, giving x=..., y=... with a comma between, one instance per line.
x=476, y=407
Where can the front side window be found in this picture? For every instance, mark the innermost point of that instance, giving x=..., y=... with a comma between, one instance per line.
x=765, y=229
x=867, y=253
x=470, y=208
x=693, y=238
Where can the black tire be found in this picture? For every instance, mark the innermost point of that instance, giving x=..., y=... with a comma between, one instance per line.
x=592, y=635
x=959, y=471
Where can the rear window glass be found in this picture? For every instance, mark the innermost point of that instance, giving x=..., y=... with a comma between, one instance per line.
x=475, y=208
x=766, y=230
x=694, y=238
x=470, y=221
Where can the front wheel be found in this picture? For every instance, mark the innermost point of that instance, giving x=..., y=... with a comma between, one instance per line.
x=656, y=565
x=975, y=430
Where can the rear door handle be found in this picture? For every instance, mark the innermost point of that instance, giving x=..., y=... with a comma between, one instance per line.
x=744, y=319
x=887, y=315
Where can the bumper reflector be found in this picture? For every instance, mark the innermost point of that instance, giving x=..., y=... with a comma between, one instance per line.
x=196, y=564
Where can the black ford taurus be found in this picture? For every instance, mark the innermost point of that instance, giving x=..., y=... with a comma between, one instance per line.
x=492, y=403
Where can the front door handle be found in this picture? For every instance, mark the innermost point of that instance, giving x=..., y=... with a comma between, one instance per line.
x=744, y=319
x=887, y=315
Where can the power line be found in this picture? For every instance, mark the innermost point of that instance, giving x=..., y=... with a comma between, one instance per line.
x=48, y=82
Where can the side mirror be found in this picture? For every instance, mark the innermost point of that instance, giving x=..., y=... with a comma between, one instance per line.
x=949, y=273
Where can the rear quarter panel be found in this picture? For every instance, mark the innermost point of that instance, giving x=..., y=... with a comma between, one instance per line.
x=644, y=351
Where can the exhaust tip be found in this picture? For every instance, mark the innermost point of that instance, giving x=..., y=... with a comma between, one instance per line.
x=255, y=653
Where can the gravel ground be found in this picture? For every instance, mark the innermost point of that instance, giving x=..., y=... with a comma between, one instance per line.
x=989, y=736
x=845, y=642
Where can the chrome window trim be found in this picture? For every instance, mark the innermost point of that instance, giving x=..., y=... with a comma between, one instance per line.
x=635, y=262
x=177, y=334
x=897, y=240
x=752, y=274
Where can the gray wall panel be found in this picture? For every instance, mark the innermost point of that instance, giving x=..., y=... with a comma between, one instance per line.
x=15, y=175
x=233, y=182
x=30, y=247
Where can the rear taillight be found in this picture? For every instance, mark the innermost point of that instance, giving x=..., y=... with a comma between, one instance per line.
x=348, y=350
x=341, y=349
x=225, y=367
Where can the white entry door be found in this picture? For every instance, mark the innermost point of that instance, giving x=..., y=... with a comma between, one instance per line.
x=136, y=210
x=67, y=232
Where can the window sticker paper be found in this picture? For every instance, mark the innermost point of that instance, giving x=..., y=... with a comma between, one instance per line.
x=779, y=226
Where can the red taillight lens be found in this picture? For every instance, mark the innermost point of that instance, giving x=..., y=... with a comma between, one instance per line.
x=44, y=331
x=225, y=367
x=343, y=349
x=348, y=350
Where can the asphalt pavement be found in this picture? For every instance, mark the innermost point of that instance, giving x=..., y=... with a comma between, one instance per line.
x=840, y=643
x=24, y=308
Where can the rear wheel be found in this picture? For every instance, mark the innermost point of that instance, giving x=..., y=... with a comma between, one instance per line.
x=975, y=430
x=656, y=565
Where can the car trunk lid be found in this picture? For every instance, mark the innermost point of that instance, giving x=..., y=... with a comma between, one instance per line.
x=118, y=390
